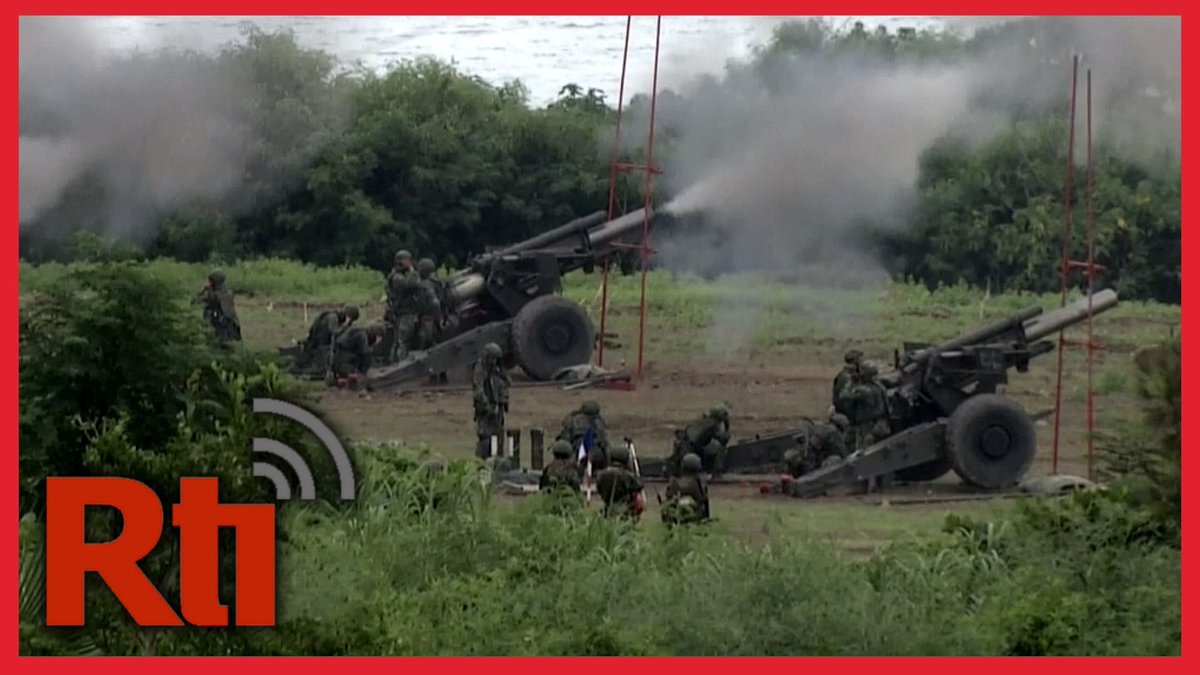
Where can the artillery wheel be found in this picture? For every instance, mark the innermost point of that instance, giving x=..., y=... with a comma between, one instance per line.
x=926, y=472
x=991, y=441
x=551, y=333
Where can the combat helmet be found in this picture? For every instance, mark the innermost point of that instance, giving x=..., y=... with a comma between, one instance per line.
x=691, y=463
x=619, y=454
x=719, y=412
x=561, y=449
x=590, y=408
x=868, y=370
x=350, y=312
x=840, y=421
x=853, y=356
x=217, y=276
x=426, y=267
x=492, y=352
x=401, y=256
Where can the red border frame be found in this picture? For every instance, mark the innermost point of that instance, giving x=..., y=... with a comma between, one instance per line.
x=530, y=666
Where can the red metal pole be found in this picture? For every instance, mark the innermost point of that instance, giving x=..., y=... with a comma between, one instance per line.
x=1065, y=254
x=612, y=190
x=1091, y=273
x=649, y=199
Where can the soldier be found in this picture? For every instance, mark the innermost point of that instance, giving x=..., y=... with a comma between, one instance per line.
x=350, y=357
x=818, y=446
x=321, y=333
x=868, y=404
x=561, y=472
x=575, y=429
x=707, y=438
x=219, y=311
x=403, y=290
x=428, y=306
x=620, y=489
x=844, y=378
x=687, y=495
x=491, y=383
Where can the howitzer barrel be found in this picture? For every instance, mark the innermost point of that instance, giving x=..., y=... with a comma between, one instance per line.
x=617, y=227
x=471, y=285
x=555, y=235
x=1065, y=317
x=978, y=336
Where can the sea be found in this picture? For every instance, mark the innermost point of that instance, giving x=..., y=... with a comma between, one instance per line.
x=543, y=52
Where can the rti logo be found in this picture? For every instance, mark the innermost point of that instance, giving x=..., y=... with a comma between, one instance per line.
x=199, y=516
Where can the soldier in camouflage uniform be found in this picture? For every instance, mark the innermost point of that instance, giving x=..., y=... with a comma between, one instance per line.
x=868, y=405
x=845, y=378
x=619, y=487
x=351, y=350
x=314, y=354
x=575, y=427
x=219, y=311
x=687, y=495
x=707, y=437
x=403, y=293
x=562, y=472
x=429, y=306
x=818, y=446
x=490, y=382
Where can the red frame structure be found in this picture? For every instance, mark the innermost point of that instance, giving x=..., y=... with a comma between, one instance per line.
x=1089, y=267
x=650, y=171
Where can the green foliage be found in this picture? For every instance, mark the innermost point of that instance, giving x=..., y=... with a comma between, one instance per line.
x=1145, y=460
x=117, y=380
x=993, y=217
x=345, y=167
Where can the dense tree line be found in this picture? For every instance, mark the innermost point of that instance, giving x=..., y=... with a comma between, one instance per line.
x=344, y=167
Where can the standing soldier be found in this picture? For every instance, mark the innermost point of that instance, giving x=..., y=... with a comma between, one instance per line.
x=428, y=305
x=403, y=289
x=687, y=495
x=562, y=472
x=707, y=437
x=491, y=383
x=868, y=404
x=575, y=430
x=845, y=378
x=219, y=311
x=619, y=487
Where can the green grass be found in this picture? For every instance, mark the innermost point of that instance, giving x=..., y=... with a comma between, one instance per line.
x=742, y=311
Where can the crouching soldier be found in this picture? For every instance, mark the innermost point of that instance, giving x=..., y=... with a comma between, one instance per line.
x=687, y=494
x=706, y=437
x=620, y=488
x=560, y=479
x=586, y=427
x=820, y=445
x=351, y=358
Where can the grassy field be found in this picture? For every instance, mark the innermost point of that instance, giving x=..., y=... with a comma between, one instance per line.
x=768, y=347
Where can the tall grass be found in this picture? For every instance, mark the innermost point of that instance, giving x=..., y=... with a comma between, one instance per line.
x=424, y=565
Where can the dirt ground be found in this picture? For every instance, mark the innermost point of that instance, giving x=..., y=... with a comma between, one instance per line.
x=763, y=400
x=767, y=391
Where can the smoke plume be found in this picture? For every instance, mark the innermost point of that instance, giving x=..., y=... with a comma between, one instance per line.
x=780, y=165
x=144, y=134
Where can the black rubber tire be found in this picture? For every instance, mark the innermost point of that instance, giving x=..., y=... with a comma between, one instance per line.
x=926, y=472
x=551, y=333
x=991, y=441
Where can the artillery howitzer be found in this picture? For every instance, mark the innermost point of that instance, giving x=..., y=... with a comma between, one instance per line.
x=945, y=412
x=509, y=296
